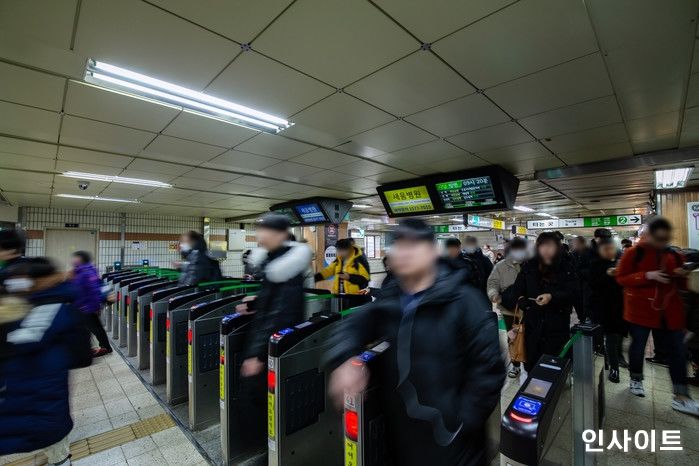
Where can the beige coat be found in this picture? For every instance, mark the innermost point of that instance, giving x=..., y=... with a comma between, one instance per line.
x=503, y=275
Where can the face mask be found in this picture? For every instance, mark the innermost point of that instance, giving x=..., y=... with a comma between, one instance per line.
x=470, y=249
x=518, y=255
x=18, y=285
x=184, y=247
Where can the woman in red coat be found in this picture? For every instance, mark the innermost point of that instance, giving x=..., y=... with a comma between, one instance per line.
x=652, y=276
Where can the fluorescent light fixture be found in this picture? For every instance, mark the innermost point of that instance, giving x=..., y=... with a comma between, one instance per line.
x=97, y=198
x=523, y=208
x=544, y=214
x=360, y=206
x=122, y=80
x=672, y=178
x=116, y=179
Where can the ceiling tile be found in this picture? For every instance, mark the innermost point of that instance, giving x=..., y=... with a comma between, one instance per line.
x=524, y=151
x=460, y=115
x=578, y=117
x=20, y=146
x=529, y=166
x=521, y=39
x=661, y=142
x=103, y=136
x=234, y=188
x=239, y=20
x=447, y=165
x=323, y=158
x=15, y=180
x=414, y=83
x=29, y=122
x=212, y=175
x=62, y=184
x=602, y=136
x=442, y=16
x=332, y=120
x=255, y=181
x=690, y=128
x=307, y=26
x=28, y=87
x=34, y=200
x=363, y=168
x=279, y=188
x=422, y=154
x=153, y=166
x=492, y=137
x=275, y=146
x=180, y=150
x=162, y=195
x=356, y=148
x=88, y=101
x=25, y=162
x=127, y=191
x=290, y=170
x=69, y=166
x=326, y=178
x=148, y=175
x=207, y=130
x=234, y=160
x=360, y=185
x=693, y=90
x=38, y=20
x=392, y=136
x=89, y=156
x=572, y=82
x=263, y=84
x=653, y=126
x=389, y=177
x=146, y=39
x=596, y=154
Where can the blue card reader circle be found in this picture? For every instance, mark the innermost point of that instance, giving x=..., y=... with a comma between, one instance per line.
x=527, y=406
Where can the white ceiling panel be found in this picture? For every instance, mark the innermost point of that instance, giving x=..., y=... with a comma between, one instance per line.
x=88, y=101
x=240, y=20
x=103, y=136
x=209, y=131
x=447, y=165
x=143, y=38
x=529, y=166
x=89, y=156
x=458, y=116
x=323, y=158
x=162, y=195
x=25, y=162
x=492, y=137
x=67, y=203
x=271, y=145
x=28, y=87
x=653, y=126
x=389, y=177
x=422, y=154
x=234, y=188
x=212, y=175
x=66, y=185
x=572, y=82
x=255, y=181
x=263, y=84
x=578, y=117
x=693, y=91
x=290, y=170
x=307, y=25
x=414, y=83
x=524, y=151
x=521, y=39
x=279, y=188
x=393, y=136
x=25, y=182
x=363, y=168
x=661, y=142
x=359, y=185
x=181, y=150
x=326, y=178
x=234, y=160
x=29, y=122
x=596, y=154
x=690, y=128
x=68, y=166
x=332, y=120
x=20, y=146
x=38, y=20
x=602, y=136
x=38, y=200
x=442, y=16
x=153, y=166
x=144, y=175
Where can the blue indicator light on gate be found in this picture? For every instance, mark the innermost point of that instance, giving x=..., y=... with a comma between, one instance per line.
x=527, y=406
x=285, y=331
x=367, y=356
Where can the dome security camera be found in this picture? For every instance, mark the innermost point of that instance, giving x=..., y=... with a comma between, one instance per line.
x=83, y=185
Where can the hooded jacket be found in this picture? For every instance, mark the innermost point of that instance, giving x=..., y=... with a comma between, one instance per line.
x=87, y=281
x=441, y=376
x=199, y=267
x=280, y=301
x=38, y=343
x=356, y=266
x=485, y=266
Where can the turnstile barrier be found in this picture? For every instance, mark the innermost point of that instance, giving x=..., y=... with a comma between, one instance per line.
x=131, y=309
x=142, y=315
x=119, y=283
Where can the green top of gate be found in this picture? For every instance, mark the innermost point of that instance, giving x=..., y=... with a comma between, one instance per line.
x=246, y=287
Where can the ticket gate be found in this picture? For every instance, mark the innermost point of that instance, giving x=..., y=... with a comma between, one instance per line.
x=142, y=315
x=157, y=335
x=117, y=307
x=108, y=283
x=122, y=310
x=203, y=359
x=130, y=309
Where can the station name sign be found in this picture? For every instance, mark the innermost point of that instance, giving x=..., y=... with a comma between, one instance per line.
x=586, y=222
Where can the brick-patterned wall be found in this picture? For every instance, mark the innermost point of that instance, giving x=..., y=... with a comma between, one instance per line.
x=232, y=266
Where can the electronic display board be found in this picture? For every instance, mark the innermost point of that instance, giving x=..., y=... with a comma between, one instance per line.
x=289, y=212
x=311, y=213
x=466, y=193
x=411, y=200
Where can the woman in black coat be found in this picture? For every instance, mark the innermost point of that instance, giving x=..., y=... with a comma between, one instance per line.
x=545, y=289
x=607, y=303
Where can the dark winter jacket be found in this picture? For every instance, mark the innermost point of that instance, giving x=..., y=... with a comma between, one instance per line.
x=441, y=376
x=5, y=267
x=89, y=286
x=582, y=261
x=38, y=344
x=280, y=301
x=199, y=267
x=485, y=267
x=606, y=297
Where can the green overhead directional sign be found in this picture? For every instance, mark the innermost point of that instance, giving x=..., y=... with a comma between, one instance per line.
x=586, y=222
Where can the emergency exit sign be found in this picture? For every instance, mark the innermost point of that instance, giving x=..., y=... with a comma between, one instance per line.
x=586, y=222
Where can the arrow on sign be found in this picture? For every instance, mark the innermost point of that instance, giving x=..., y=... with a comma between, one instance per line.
x=634, y=219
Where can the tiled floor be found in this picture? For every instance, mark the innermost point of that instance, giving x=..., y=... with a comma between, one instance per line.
x=108, y=395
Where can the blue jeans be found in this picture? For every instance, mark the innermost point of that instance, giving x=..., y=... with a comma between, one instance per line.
x=676, y=355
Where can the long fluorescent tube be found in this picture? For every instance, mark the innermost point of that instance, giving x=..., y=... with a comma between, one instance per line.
x=97, y=198
x=114, y=77
x=360, y=206
x=672, y=178
x=116, y=179
x=522, y=208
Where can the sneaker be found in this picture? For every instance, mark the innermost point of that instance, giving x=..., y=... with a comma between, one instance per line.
x=514, y=372
x=65, y=462
x=659, y=362
x=623, y=363
x=636, y=388
x=614, y=376
x=97, y=352
x=686, y=405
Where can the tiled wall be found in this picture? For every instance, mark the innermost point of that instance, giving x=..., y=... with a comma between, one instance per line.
x=151, y=237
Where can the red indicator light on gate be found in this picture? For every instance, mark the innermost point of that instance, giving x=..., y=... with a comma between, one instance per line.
x=128, y=300
x=167, y=324
x=351, y=425
x=271, y=381
x=189, y=336
x=151, y=314
x=526, y=420
x=223, y=360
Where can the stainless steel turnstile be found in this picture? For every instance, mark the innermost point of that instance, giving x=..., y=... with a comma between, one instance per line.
x=128, y=322
x=142, y=314
x=117, y=307
x=109, y=280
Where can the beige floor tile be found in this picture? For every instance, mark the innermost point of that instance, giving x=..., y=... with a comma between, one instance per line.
x=150, y=411
x=79, y=433
x=183, y=454
x=111, y=457
x=142, y=400
x=117, y=407
x=88, y=416
x=171, y=436
x=149, y=458
x=138, y=447
x=124, y=419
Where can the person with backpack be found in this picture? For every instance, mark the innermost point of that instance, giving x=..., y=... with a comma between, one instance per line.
x=653, y=278
x=41, y=339
x=197, y=266
x=89, y=300
x=484, y=265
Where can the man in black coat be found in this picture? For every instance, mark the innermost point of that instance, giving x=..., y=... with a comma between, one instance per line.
x=473, y=252
x=441, y=376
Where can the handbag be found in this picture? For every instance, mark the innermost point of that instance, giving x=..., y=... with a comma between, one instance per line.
x=516, y=344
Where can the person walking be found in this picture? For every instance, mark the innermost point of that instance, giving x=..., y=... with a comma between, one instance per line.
x=607, y=304
x=504, y=275
x=197, y=266
x=473, y=252
x=545, y=289
x=443, y=356
x=652, y=276
x=86, y=280
x=350, y=269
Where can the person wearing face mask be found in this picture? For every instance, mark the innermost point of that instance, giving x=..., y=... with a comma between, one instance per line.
x=87, y=281
x=41, y=339
x=545, y=289
x=197, y=266
x=12, y=245
x=485, y=266
x=503, y=275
